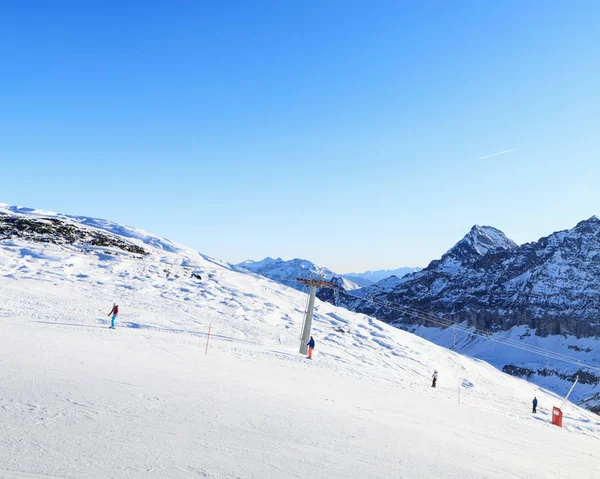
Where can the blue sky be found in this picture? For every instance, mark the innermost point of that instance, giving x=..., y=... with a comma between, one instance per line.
x=339, y=131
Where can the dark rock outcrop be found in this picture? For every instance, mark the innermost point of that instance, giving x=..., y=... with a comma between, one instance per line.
x=57, y=231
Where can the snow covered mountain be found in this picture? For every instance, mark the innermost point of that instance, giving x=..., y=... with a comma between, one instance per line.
x=544, y=293
x=368, y=278
x=160, y=398
x=286, y=272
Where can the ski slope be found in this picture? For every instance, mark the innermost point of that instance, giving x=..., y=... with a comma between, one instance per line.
x=144, y=401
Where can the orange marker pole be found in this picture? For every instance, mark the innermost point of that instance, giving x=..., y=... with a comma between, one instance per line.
x=208, y=338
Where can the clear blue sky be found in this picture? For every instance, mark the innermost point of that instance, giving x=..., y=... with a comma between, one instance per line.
x=338, y=131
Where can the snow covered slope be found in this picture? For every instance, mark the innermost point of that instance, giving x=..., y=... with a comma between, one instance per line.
x=145, y=401
x=286, y=272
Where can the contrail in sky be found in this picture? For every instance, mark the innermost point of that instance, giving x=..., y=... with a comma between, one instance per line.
x=489, y=156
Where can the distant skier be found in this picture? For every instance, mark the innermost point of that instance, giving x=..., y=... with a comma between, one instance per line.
x=434, y=377
x=114, y=312
x=534, y=404
x=311, y=346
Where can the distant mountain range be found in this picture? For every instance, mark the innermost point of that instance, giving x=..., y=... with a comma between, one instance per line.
x=286, y=272
x=544, y=293
x=370, y=277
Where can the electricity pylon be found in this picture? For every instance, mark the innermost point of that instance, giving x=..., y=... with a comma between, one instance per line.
x=313, y=284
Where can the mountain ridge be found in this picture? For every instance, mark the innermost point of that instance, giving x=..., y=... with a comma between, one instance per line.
x=542, y=292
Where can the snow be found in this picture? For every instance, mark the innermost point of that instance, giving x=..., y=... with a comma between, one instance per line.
x=583, y=349
x=145, y=401
x=494, y=237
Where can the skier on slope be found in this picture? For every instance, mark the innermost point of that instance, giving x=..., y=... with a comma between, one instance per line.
x=434, y=377
x=311, y=346
x=114, y=312
x=535, y=402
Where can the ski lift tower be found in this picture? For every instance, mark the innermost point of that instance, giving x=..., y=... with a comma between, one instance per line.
x=313, y=284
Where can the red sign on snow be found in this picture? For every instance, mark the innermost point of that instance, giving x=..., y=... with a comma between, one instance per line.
x=557, y=416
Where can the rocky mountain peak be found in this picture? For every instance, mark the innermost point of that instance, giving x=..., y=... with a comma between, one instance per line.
x=589, y=226
x=476, y=243
x=485, y=238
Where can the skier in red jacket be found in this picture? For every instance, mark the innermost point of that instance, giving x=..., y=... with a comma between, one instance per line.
x=114, y=312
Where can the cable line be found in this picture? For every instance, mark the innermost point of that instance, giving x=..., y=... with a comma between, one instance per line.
x=474, y=331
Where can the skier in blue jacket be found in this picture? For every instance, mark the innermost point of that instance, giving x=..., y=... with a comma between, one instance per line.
x=311, y=346
x=535, y=404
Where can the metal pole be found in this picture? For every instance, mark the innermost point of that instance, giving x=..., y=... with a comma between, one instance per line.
x=569, y=393
x=208, y=338
x=304, y=315
x=308, y=320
